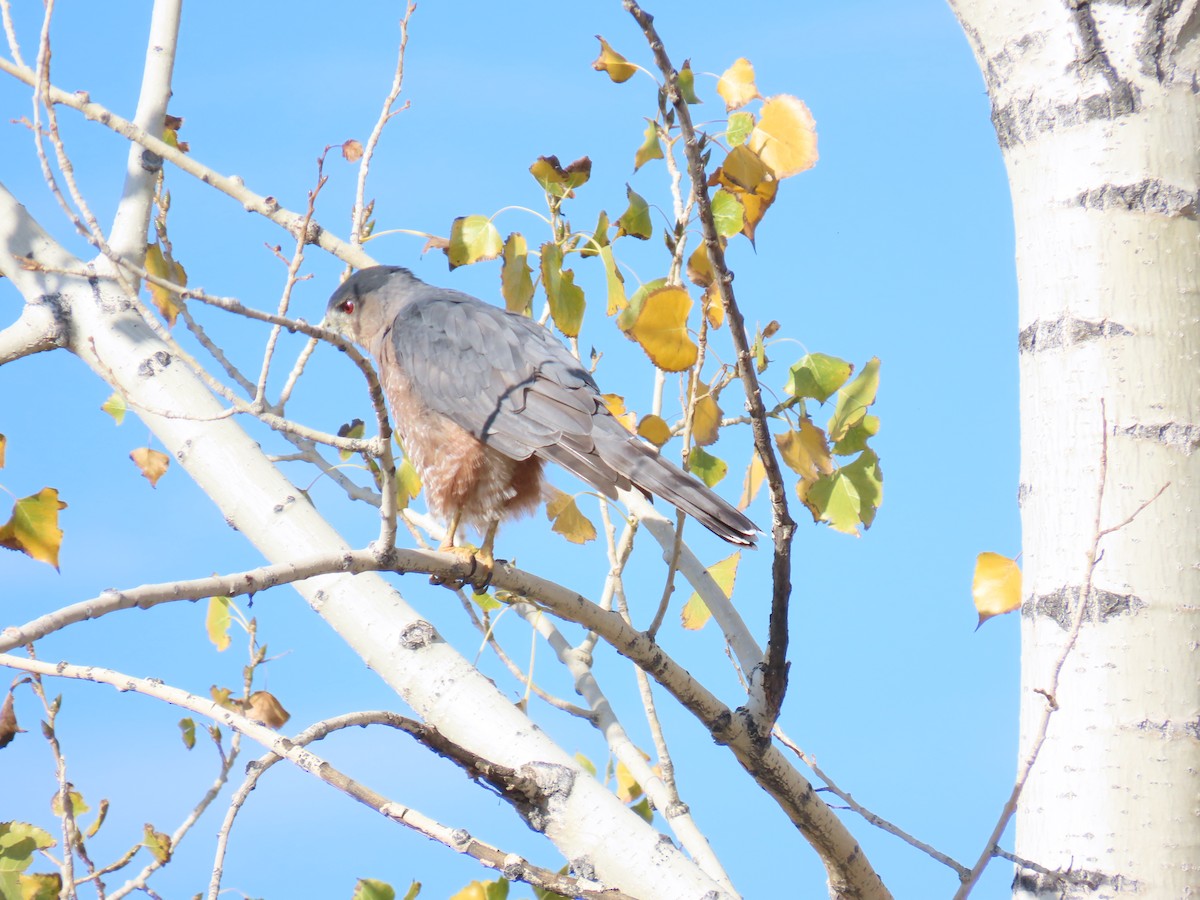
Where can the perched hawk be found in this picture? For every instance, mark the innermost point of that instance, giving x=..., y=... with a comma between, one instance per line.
x=483, y=397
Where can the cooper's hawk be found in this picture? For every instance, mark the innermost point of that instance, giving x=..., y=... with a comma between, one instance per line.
x=482, y=397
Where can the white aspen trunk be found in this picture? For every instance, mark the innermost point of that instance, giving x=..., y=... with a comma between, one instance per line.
x=1098, y=114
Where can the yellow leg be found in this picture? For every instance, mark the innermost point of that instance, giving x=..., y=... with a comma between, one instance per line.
x=448, y=541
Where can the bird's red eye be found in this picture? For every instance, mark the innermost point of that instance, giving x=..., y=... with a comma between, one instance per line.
x=348, y=307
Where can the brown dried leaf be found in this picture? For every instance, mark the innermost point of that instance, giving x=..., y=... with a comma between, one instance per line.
x=152, y=463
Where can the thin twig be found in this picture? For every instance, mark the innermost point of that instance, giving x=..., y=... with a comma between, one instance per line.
x=1050, y=691
x=358, y=216
x=774, y=675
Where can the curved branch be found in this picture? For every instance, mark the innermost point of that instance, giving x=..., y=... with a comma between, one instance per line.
x=513, y=867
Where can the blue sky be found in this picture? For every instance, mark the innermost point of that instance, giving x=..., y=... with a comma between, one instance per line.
x=898, y=244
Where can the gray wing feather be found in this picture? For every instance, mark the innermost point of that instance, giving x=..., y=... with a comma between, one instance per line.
x=510, y=382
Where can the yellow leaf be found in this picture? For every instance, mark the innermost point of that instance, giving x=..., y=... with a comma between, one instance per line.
x=654, y=429
x=806, y=452
x=706, y=420
x=78, y=806
x=558, y=181
x=699, y=269
x=3, y=446
x=619, y=69
x=615, y=282
x=40, y=885
x=996, y=587
x=263, y=707
x=628, y=789
x=714, y=309
x=216, y=622
x=157, y=843
x=661, y=329
x=166, y=300
x=516, y=282
x=756, y=472
x=152, y=463
x=562, y=510
x=616, y=406
x=695, y=612
x=33, y=528
x=564, y=296
x=736, y=86
x=472, y=239
x=785, y=136
x=408, y=484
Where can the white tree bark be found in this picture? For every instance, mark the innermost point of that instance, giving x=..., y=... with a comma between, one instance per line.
x=587, y=822
x=1098, y=115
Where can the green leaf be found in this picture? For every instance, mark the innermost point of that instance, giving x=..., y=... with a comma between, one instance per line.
x=472, y=239
x=855, y=440
x=565, y=298
x=849, y=497
x=709, y=468
x=187, y=727
x=373, y=889
x=619, y=69
x=516, y=282
x=486, y=601
x=635, y=221
x=728, y=214
x=817, y=376
x=599, y=238
x=643, y=807
x=853, y=401
x=687, y=84
x=33, y=528
x=650, y=149
x=695, y=612
x=739, y=127
x=496, y=890
x=216, y=622
x=413, y=890
x=115, y=406
x=18, y=843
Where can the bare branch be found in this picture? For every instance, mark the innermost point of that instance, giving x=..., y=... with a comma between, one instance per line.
x=358, y=216
x=231, y=185
x=774, y=676
x=512, y=866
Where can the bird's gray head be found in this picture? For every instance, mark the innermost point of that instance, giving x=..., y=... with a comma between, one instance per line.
x=365, y=302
